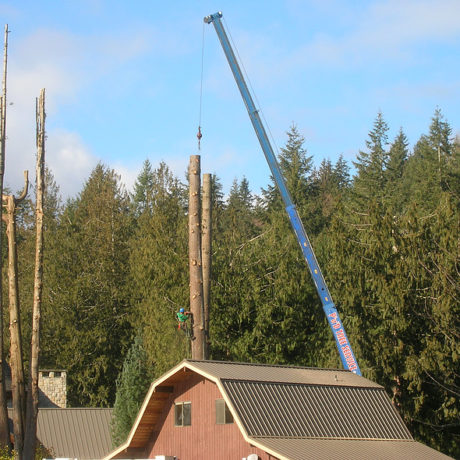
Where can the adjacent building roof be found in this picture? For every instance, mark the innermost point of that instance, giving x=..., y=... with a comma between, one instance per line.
x=75, y=433
x=295, y=413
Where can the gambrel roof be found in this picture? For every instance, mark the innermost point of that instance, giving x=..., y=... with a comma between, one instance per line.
x=294, y=413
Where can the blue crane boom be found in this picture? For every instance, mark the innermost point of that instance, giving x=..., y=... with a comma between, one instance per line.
x=346, y=353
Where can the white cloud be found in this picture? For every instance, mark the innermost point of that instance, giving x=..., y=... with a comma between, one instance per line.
x=399, y=22
x=70, y=161
x=381, y=30
x=65, y=65
x=128, y=175
x=66, y=156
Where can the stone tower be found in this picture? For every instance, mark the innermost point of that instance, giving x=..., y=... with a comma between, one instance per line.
x=53, y=388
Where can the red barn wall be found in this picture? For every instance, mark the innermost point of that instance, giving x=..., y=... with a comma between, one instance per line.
x=204, y=439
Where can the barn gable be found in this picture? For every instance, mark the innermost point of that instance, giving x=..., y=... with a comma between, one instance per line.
x=280, y=412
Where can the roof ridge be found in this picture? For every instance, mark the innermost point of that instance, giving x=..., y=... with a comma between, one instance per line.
x=288, y=366
x=74, y=408
x=308, y=384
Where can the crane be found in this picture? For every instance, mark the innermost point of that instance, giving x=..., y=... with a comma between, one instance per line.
x=346, y=353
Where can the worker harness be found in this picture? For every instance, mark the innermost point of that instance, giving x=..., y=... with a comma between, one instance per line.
x=186, y=327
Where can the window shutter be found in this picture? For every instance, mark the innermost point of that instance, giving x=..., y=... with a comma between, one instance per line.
x=220, y=411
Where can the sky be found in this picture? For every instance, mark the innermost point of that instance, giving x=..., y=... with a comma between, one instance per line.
x=123, y=81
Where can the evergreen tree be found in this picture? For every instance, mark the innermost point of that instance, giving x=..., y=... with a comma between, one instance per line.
x=142, y=187
x=398, y=286
x=85, y=314
x=238, y=217
x=159, y=270
x=430, y=404
x=293, y=307
x=397, y=159
x=330, y=182
x=233, y=301
x=370, y=181
x=268, y=308
x=296, y=168
x=453, y=170
x=132, y=385
x=387, y=243
x=342, y=174
x=431, y=168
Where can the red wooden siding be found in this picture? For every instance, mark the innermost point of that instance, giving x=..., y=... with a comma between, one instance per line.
x=204, y=439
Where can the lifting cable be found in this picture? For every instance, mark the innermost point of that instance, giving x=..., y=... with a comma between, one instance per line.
x=199, y=135
x=248, y=80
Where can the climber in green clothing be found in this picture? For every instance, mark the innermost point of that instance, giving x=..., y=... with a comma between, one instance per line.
x=182, y=317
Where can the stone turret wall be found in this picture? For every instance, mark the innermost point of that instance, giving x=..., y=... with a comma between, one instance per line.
x=53, y=388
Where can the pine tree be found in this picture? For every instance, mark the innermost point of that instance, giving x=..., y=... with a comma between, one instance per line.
x=132, y=385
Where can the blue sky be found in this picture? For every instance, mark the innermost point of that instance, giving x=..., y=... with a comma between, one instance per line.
x=123, y=80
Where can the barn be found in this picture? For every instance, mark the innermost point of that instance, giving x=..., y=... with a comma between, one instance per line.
x=225, y=410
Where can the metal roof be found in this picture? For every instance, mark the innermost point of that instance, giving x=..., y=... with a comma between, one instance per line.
x=278, y=373
x=313, y=411
x=332, y=449
x=295, y=413
x=82, y=433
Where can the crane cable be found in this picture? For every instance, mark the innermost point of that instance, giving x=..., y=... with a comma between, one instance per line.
x=248, y=80
x=199, y=134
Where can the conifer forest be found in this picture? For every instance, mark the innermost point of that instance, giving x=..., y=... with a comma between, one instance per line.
x=386, y=232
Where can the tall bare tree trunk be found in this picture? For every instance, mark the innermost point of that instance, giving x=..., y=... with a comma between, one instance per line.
x=16, y=363
x=4, y=428
x=30, y=440
x=196, y=276
x=206, y=241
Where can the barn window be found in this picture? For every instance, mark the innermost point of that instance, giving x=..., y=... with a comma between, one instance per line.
x=183, y=414
x=223, y=414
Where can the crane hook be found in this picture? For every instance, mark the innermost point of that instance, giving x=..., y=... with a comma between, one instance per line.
x=199, y=136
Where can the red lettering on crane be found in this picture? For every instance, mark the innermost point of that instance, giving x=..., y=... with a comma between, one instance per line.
x=335, y=323
x=341, y=337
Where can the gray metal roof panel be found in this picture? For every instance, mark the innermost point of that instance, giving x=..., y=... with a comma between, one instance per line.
x=313, y=411
x=278, y=373
x=82, y=433
x=333, y=449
